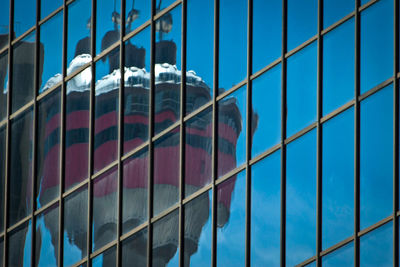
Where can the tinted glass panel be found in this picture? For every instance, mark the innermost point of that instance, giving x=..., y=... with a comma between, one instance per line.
x=376, y=44
x=21, y=167
x=198, y=228
x=77, y=128
x=106, y=110
x=160, y=4
x=2, y=175
x=24, y=16
x=265, y=211
x=3, y=84
x=198, y=151
x=232, y=43
x=48, y=6
x=334, y=10
x=51, y=52
x=137, y=12
x=338, y=67
x=23, y=71
x=376, y=157
x=231, y=131
x=47, y=238
x=167, y=69
x=107, y=258
x=48, y=149
x=134, y=249
x=338, y=178
x=4, y=22
x=302, y=89
x=166, y=171
x=108, y=23
x=1, y=251
x=301, y=180
x=135, y=194
x=266, y=118
x=137, y=80
x=20, y=246
x=75, y=226
x=231, y=214
x=343, y=256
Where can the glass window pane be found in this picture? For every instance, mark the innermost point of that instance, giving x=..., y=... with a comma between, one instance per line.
x=105, y=211
x=108, y=23
x=267, y=32
x=343, y=256
x=4, y=22
x=161, y=5
x=134, y=249
x=302, y=89
x=50, y=59
x=167, y=69
x=166, y=171
x=232, y=131
x=48, y=149
x=198, y=228
x=376, y=247
x=79, y=31
x=301, y=206
x=338, y=178
x=107, y=258
x=21, y=167
x=376, y=157
x=232, y=43
x=137, y=12
x=23, y=71
x=48, y=6
x=24, y=16
x=376, y=44
x=2, y=175
x=106, y=110
x=3, y=84
x=20, y=246
x=302, y=21
x=46, y=253
x=334, y=10
x=338, y=67
x=198, y=150
x=75, y=226
x=137, y=75
x=1, y=251
x=77, y=128
x=166, y=241
x=135, y=190
x=231, y=214
x=266, y=118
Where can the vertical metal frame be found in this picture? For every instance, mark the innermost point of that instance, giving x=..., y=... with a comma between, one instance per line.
x=395, y=133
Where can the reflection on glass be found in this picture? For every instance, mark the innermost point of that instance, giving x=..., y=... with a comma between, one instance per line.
x=167, y=69
x=198, y=150
x=338, y=67
x=266, y=101
x=165, y=241
x=75, y=226
x=312, y=264
x=232, y=43
x=21, y=167
x=1, y=251
x=198, y=225
x=4, y=29
x=2, y=175
x=231, y=214
x=105, y=212
x=302, y=21
x=162, y=4
x=301, y=198
x=137, y=80
x=23, y=71
x=343, y=256
x=48, y=149
x=267, y=32
x=46, y=253
x=338, y=178
x=48, y=6
x=108, y=23
x=166, y=171
x=199, y=53
x=376, y=247
x=265, y=211
x=376, y=44
x=302, y=89
x=232, y=131
x=79, y=29
x=77, y=128
x=3, y=84
x=135, y=193
x=134, y=249
x=20, y=246
x=334, y=10
x=51, y=55
x=137, y=12
x=24, y=16
x=106, y=259
x=376, y=157
x=106, y=110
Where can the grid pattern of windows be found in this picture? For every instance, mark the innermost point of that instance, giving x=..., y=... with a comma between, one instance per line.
x=199, y=133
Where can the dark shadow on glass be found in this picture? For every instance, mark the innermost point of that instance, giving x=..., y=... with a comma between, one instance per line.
x=134, y=249
x=20, y=246
x=106, y=259
x=2, y=174
x=3, y=84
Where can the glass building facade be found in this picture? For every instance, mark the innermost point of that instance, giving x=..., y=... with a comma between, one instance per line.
x=199, y=133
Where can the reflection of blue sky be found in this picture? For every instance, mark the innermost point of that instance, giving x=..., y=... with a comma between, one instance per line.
x=143, y=6
x=343, y=256
x=48, y=6
x=104, y=22
x=24, y=15
x=4, y=16
x=334, y=10
x=142, y=40
x=47, y=249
